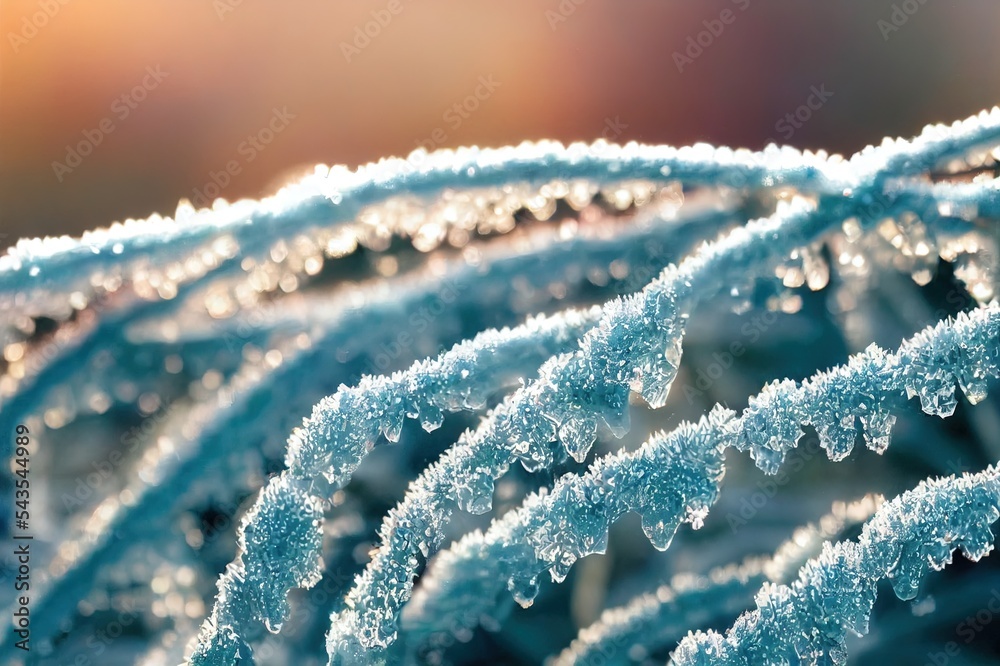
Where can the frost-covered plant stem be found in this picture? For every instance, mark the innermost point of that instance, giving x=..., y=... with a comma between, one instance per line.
x=637, y=344
x=324, y=452
x=460, y=379
x=676, y=478
x=213, y=432
x=808, y=621
x=656, y=620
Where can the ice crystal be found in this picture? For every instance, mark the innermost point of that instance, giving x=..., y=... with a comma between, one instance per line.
x=658, y=619
x=676, y=477
x=808, y=620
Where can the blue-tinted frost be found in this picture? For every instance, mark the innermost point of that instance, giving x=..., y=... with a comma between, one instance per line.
x=636, y=345
x=809, y=620
x=656, y=620
x=676, y=478
x=562, y=380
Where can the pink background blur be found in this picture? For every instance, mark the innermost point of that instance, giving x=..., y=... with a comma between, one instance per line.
x=231, y=63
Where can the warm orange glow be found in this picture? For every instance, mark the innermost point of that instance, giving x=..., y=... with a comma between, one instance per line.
x=564, y=70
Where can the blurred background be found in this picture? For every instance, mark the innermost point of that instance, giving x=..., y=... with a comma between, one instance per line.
x=114, y=109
